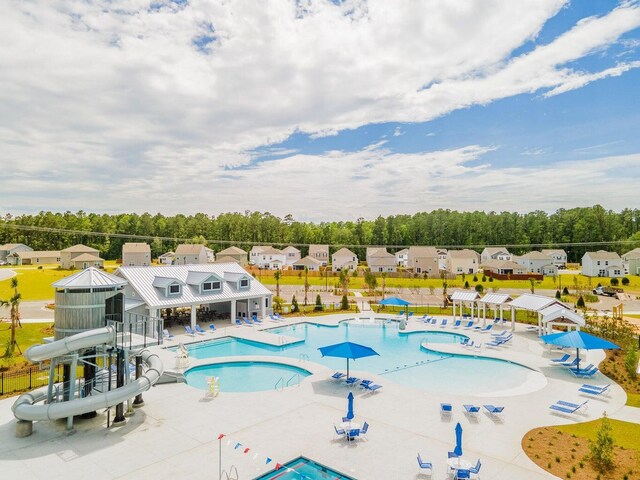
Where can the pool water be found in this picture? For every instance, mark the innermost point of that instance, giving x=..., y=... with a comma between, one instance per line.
x=246, y=376
x=303, y=468
x=401, y=358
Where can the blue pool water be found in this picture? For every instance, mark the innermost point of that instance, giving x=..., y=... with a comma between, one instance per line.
x=303, y=468
x=245, y=376
x=401, y=358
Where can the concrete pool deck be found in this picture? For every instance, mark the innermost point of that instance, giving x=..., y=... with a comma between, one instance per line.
x=174, y=434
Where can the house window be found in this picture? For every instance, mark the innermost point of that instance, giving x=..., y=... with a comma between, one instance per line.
x=598, y=262
x=607, y=262
x=208, y=286
x=174, y=289
x=244, y=282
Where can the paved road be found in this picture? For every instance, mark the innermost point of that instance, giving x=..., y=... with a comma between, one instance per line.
x=6, y=273
x=31, y=312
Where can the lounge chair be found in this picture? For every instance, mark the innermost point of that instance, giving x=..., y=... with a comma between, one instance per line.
x=277, y=315
x=471, y=409
x=187, y=328
x=493, y=410
x=457, y=324
x=401, y=313
x=496, y=342
x=372, y=387
x=468, y=343
x=255, y=319
x=212, y=327
x=200, y=330
x=443, y=323
x=338, y=376
x=246, y=322
x=568, y=407
x=446, y=409
x=452, y=455
x=425, y=465
x=504, y=333
x=573, y=363
x=469, y=325
x=167, y=335
x=595, y=388
x=484, y=329
x=273, y=319
x=562, y=359
x=410, y=314
x=365, y=382
x=587, y=373
x=352, y=381
x=596, y=392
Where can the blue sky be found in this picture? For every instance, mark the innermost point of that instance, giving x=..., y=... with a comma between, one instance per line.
x=323, y=110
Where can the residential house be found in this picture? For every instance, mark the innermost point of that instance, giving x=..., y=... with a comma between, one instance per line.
x=381, y=261
x=504, y=267
x=211, y=256
x=320, y=253
x=31, y=257
x=270, y=258
x=9, y=248
x=255, y=252
x=190, y=254
x=558, y=256
x=90, y=257
x=236, y=253
x=166, y=258
x=424, y=260
x=344, y=259
x=494, y=253
x=462, y=261
x=602, y=264
x=136, y=254
x=442, y=258
x=311, y=263
x=402, y=257
x=292, y=255
x=537, y=262
x=631, y=261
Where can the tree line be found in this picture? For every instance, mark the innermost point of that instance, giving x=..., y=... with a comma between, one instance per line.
x=441, y=228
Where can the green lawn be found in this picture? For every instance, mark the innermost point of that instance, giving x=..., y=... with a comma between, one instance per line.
x=633, y=400
x=625, y=434
x=27, y=335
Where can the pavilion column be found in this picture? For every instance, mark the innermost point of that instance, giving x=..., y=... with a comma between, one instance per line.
x=484, y=314
x=233, y=312
x=501, y=315
x=513, y=319
x=472, y=312
x=193, y=316
x=454, y=310
x=263, y=308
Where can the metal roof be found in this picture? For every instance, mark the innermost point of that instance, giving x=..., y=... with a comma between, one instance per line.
x=142, y=279
x=556, y=312
x=90, y=278
x=462, y=296
x=164, y=282
x=496, y=298
x=534, y=303
x=196, y=278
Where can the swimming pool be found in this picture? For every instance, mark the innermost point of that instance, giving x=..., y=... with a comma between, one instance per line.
x=303, y=468
x=246, y=376
x=402, y=358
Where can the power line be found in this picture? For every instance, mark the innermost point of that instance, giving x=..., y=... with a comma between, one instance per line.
x=35, y=228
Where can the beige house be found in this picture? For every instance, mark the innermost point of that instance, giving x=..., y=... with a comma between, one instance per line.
x=90, y=255
x=136, y=255
x=190, y=254
x=631, y=261
x=166, y=258
x=30, y=257
x=558, y=256
x=494, y=253
x=320, y=253
x=344, y=259
x=381, y=261
x=402, y=257
x=424, y=260
x=238, y=254
x=292, y=255
x=462, y=261
x=311, y=263
x=9, y=248
x=537, y=262
x=504, y=267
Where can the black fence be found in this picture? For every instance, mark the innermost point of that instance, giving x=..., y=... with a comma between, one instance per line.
x=26, y=379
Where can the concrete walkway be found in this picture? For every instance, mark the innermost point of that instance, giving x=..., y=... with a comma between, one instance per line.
x=174, y=434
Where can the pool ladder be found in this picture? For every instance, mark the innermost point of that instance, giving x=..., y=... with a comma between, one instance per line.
x=281, y=384
x=228, y=476
x=303, y=357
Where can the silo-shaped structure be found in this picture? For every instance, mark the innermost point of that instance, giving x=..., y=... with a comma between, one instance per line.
x=85, y=300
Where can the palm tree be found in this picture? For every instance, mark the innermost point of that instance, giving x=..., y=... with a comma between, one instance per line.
x=306, y=284
x=14, y=304
x=384, y=283
x=276, y=276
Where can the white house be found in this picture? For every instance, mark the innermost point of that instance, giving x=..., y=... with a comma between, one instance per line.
x=381, y=261
x=211, y=256
x=442, y=258
x=189, y=254
x=504, y=267
x=166, y=258
x=320, y=253
x=270, y=258
x=462, y=261
x=9, y=248
x=558, y=256
x=602, y=264
x=537, y=262
x=226, y=288
x=631, y=261
x=495, y=253
x=292, y=255
x=402, y=257
x=344, y=259
x=311, y=263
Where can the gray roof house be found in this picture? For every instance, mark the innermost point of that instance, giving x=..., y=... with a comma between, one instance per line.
x=89, y=257
x=9, y=248
x=311, y=263
x=189, y=253
x=424, y=260
x=136, y=254
x=344, y=259
x=602, y=264
x=381, y=261
x=320, y=252
x=234, y=252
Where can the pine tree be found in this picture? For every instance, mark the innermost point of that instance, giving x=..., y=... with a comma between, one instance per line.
x=602, y=447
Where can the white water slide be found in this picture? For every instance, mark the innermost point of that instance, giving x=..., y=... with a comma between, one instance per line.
x=28, y=406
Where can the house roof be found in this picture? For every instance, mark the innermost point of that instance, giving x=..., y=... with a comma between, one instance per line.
x=464, y=296
x=88, y=278
x=404, y=251
x=493, y=250
x=87, y=257
x=313, y=249
x=168, y=254
x=382, y=260
x=632, y=254
x=602, y=255
x=189, y=249
x=423, y=252
x=308, y=262
x=225, y=259
x=344, y=252
x=557, y=313
x=270, y=251
x=466, y=253
x=232, y=251
x=80, y=248
x=136, y=248
x=260, y=248
x=535, y=303
x=35, y=254
x=554, y=251
x=496, y=298
x=142, y=280
x=11, y=246
x=504, y=264
x=290, y=248
x=535, y=255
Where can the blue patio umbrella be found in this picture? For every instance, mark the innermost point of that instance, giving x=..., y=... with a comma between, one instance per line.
x=350, y=406
x=394, y=301
x=458, y=449
x=578, y=339
x=348, y=350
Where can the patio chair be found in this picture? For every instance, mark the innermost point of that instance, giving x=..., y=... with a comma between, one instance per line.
x=401, y=313
x=595, y=390
x=353, y=433
x=476, y=470
x=187, y=328
x=279, y=317
x=452, y=455
x=256, y=319
x=568, y=407
x=273, y=319
x=443, y=323
x=493, y=410
x=372, y=388
x=410, y=314
x=339, y=431
x=246, y=322
x=586, y=373
x=200, y=330
x=424, y=465
x=471, y=409
x=484, y=329
x=338, y=376
x=364, y=430
x=446, y=409
x=468, y=325
x=352, y=381
x=457, y=324
x=167, y=335
x=573, y=363
x=462, y=473
x=212, y=327
x=562, y=359
x=504, y=333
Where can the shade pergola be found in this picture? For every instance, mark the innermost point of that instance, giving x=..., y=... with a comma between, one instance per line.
x=533, y=303
x=556, y=315
x=463, y=297
x=496, y=300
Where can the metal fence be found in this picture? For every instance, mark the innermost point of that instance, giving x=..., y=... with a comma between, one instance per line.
x=26, y=379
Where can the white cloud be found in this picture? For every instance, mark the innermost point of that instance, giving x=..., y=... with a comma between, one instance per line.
x=109, y=105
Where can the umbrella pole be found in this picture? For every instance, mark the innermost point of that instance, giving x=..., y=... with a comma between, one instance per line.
x=578, y=357
x=347, y=368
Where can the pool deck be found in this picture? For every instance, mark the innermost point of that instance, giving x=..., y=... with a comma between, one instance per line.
x=174, y=434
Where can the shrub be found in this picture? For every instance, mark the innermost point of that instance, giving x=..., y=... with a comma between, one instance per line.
x=466, y=284
x=484, y=278
x=344, y=304
x=475, y=278
x=294, y=305
x=625, y=281
x=602, y=447
x=277, y=303
x=580, y=302
x=318, y=307
x=565, y=291
x=631, y=361
x=479, y=288
x=558, y=295
x=490, y=279
x=614, y=282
